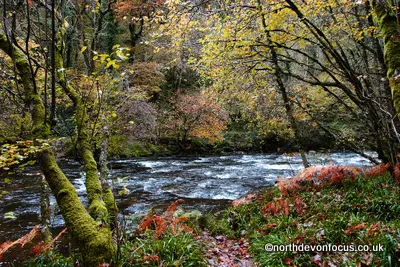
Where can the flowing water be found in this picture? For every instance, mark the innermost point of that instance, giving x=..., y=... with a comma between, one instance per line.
x=206, y=183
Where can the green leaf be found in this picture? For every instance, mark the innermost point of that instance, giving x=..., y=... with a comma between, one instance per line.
x=10, y=215
x=124, y=191
x=7, y=180
x=83, y=49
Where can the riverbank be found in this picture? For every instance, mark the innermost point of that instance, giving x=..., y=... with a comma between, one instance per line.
x=121, y=146
x=330, y=206
x=345, y=207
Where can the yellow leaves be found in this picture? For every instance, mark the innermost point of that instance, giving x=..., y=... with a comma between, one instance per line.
x=112, y=63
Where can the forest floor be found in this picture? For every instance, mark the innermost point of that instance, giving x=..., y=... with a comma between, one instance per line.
x=224, y=252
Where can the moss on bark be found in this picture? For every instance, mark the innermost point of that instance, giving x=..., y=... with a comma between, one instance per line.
x=32, y=97
x=389, y=27
x=93, y=240
x=97, y=206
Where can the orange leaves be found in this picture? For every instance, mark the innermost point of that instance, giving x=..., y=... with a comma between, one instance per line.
x=196, y=115
x=160, y=224
x=313, y=177
x=21, y=241
x=355, y=228
x=38, y=248
x=133, y=11
x=279, y=206
x=150, y=259
x=377, y=170
x=287, y=186
x=382, y=169
x=374, y=228
x=288, y=261
x=44, y=247
x=173, y=207
x=270, y=226
x=157, y=223
x=244, y=200
x=299, y=204
x=336, y=174
x=396, y=172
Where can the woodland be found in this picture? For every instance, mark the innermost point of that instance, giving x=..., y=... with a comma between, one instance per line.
x=93, y=80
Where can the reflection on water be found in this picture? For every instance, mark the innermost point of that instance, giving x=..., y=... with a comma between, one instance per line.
x=206, y=183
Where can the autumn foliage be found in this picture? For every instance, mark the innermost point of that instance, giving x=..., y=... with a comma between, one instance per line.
x=167, y=221
x=377, y=170
x=46, y=246
x=130, y=11
x=355, y=228
x=39, y=248
x=315, y=177
x=196, y=115
x=21, y=241
x=396, y=173
x=278, y=206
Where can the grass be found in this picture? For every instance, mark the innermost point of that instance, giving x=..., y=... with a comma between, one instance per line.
x=171, y=250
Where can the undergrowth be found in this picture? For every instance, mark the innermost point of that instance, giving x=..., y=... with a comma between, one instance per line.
x=347, y=209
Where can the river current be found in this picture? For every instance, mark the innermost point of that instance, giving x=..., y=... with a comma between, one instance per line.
x=206, y=183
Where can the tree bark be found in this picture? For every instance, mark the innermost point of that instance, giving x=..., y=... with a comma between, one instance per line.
x=32, y=97
x=389, y=27
x=94, y=241
x=99, y=200
x=288, y=106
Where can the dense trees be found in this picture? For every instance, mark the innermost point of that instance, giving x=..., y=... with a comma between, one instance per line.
x=327, y=46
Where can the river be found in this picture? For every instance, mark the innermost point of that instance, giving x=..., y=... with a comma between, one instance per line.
x=206, y=183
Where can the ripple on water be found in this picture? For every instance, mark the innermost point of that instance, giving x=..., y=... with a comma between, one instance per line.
x=205, y=182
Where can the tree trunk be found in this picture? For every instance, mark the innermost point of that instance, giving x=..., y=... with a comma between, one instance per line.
x=389, y=27
x=93, y=240
x=286, y=100
x=107, y=192
x=99, y=200
x=45, y=210
x=32, y=97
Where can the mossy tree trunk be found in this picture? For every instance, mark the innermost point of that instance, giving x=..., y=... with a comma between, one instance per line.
x=102, y=205
x=389, y=27
x=31, y=97
x=93, y=240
